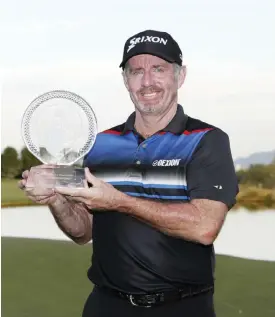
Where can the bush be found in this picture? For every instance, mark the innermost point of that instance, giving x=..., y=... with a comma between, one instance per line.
x=260, y=176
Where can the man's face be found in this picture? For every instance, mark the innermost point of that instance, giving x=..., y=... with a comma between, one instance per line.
x=152, y=83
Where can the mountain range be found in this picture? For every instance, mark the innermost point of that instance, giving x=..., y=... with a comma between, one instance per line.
x=255, y=158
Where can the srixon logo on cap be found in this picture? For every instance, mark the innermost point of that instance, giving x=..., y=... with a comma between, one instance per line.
x=152, y=39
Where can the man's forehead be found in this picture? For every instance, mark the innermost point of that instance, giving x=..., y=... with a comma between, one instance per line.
x=146, y=60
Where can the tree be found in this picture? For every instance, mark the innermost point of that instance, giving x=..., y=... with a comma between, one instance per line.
x=258, y=175
x=28, y=160
x=10, y=163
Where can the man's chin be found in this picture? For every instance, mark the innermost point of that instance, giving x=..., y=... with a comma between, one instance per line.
x=148, y=108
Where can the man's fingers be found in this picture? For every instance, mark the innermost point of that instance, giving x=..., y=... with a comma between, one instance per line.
x=36, y=191
x=90, y=177
x=74, y=192
x=66, y=191
x=85, y=183
x=39, y=198
x=21, y=184
x=25, y=174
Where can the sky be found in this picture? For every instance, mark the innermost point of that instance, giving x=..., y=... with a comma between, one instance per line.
x=228, y=48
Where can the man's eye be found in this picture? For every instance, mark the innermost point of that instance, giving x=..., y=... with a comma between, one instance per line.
x=136, y=72
x=159, y=69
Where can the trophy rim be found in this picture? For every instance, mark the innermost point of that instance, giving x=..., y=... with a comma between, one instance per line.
x=55, y=94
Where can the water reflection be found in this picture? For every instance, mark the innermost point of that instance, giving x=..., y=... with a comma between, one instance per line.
x=244, y=234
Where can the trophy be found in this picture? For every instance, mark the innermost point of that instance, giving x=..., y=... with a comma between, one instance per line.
x=59, y=128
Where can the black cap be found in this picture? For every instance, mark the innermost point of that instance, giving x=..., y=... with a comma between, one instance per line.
x=160, y=44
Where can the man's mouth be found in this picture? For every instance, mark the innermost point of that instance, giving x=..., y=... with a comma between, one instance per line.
x=149, y=95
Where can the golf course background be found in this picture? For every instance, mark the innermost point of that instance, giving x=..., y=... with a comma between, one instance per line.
x=47, y=278
x=42, y=278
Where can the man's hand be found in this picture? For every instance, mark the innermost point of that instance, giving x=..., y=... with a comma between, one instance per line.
x=100, y=196
x=38, y=194
x=72, y=218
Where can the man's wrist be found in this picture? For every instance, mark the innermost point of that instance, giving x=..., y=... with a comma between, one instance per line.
x=57, y=201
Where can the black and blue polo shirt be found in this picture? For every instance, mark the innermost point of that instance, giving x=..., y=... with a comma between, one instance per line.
x=186, y=160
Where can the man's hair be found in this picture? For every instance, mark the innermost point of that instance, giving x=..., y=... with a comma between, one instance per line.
x=177, y=69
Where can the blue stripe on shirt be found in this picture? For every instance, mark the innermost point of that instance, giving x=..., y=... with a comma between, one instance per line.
x=158, y=196
x=148, y=185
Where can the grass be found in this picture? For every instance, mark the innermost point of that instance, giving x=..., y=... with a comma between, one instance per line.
x=48, y=278
x=43, y=278
x=11, y=195
x=252, y=198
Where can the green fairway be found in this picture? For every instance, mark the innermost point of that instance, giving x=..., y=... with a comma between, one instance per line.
x=48, y=278
x=11, y=195
x=42, y=278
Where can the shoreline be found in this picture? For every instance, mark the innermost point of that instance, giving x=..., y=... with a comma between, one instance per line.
x=18, y=204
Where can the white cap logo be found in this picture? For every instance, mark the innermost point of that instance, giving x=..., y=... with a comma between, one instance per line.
x=152, y=39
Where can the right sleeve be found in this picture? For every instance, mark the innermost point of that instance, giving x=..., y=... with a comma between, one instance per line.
x=211, y=172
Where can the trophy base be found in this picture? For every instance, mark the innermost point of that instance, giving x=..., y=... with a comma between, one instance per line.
x=49, y=177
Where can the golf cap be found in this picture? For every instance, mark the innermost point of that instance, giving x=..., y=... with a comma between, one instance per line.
x=160, y=44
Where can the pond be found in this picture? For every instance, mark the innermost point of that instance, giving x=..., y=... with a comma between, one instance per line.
x=245, y=234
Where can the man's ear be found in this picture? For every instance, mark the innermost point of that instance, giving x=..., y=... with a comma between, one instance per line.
x=182, y=76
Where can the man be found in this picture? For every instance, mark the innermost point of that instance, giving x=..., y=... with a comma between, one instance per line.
x=157, y=191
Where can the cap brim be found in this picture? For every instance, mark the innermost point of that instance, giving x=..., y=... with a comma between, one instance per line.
x=160, y=55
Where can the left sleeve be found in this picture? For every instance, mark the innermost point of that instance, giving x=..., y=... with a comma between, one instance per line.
x=211, y=173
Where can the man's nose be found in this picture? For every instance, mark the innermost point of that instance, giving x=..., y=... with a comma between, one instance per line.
x=147, y=79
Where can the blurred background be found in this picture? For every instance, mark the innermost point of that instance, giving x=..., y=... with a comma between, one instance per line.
x=229, y=49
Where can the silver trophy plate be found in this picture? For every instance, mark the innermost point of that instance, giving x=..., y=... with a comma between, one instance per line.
x=59, y=128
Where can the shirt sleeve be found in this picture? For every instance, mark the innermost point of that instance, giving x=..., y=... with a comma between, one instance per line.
x=210, y=173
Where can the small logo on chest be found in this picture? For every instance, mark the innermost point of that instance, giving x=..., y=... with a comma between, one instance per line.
x=174, y=162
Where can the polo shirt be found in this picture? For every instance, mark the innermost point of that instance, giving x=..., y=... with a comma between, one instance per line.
x=188, y=159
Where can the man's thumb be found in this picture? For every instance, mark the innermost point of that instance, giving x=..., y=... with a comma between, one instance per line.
x=90, y=177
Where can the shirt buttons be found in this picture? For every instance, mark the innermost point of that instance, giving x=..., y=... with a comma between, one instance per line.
x=138, y=162
x=144, y=145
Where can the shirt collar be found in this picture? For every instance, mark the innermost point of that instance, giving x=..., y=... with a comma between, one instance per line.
x=176, y=126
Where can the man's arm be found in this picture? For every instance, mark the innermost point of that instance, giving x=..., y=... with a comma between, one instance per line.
x=73, y=218
x=212, y=186
x=198, y=221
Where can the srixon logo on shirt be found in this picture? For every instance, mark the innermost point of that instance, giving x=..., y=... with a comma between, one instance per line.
x=151, y=39
x=174, y=162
